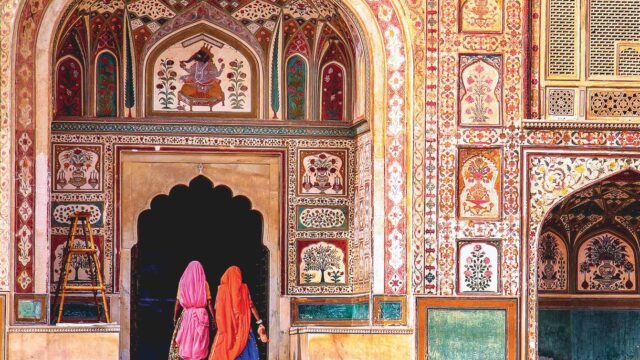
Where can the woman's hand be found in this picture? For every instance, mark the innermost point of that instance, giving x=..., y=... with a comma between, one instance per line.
x=262, y=332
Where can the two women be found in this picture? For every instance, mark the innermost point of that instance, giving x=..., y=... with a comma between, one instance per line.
x=233, y=309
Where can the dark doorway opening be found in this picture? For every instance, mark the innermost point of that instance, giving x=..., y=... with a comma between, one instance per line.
x=196, y=222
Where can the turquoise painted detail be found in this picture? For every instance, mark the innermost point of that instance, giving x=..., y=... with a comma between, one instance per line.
x=390, y=310
x=29, y=309
x=589, y=334
x=275, y=86
x=333, y=312
x=466, y=334
x=197, y=129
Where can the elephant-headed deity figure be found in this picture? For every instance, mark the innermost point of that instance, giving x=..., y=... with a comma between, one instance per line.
x=201, y=85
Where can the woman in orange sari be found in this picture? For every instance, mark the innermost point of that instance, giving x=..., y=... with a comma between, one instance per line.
x=235, y=339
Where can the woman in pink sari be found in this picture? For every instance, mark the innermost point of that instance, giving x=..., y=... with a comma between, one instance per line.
x=191, y=334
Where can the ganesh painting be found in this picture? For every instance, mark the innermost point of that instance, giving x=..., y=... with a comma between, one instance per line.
x=202, y=76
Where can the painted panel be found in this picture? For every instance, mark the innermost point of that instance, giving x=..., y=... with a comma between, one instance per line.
x=466, y=334
x=481, y=16
x=30, y=309
x=69, y=87
x=332, y=89
x=480, y=97
x=552, y=263
x=202, y=75
x=77, y=168
x=589, y=334
x=606, y=263
x=322, y=262
x=479, y=266
x=389, y=310
x=296, y=88
x=3, y=324
x=79, y=273
x=323, y=218
x=327, y=311
x=106, y=85
x=63, y=212
x=322, y=172
x=461, y=329
x=480, y=183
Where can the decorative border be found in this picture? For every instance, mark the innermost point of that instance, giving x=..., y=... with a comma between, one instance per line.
x=498, y=245
x=3, y=325
x=341, y=330
x=40, y=298
x=200, y=129
x=65, y=329
x=423, y=305
x=378, y=300
x=295, y=302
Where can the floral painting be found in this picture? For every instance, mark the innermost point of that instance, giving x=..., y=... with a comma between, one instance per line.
x=202, y=76
x=552, y=263
x=481, y=16
x=69, y=88
x=296, y=88
x=322, y=172
x=606, y=263
x=106, y=85
x=333, y=86
x=480, y=99
x=77, y=168
x=322, y=262
x=478, y=266
x=479, y=183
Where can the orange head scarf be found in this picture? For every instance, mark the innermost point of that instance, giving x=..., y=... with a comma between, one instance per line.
x=233, y=316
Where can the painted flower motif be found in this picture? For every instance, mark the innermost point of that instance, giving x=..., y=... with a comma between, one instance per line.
x=477, y=270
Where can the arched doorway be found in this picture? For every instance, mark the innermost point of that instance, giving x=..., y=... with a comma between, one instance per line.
x=195, y=222
x=588, y=294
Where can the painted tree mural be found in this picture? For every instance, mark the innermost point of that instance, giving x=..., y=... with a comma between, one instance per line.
x=322, y=257
x=106, y=85
x=296, y=88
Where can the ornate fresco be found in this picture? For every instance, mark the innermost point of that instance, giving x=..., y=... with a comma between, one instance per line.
x=552, y=263
x=478, y=267
x=203, y=74
x=480, y=183
x=453, y=148
x=606, y=263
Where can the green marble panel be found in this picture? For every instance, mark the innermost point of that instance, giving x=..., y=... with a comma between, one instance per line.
x=466, y=334
x=390, y=310
x=333, y=312
x=583, y=334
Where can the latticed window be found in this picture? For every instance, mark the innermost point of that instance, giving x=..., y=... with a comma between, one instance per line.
x=591, y=60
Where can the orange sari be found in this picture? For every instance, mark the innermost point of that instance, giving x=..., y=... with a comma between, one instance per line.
x=233, y=316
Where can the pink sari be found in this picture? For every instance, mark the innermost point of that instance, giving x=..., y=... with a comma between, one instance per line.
x=193, y=335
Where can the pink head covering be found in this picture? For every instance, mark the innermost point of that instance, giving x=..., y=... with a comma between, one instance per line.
x=193, y=335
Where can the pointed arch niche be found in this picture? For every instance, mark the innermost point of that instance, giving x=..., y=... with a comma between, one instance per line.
x=580, y=220
x=145, y=175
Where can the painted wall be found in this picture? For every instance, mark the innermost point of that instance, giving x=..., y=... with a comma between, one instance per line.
x=589, y=334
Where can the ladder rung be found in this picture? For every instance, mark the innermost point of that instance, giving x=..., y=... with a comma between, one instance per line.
x=83, y=250
x=83, y=288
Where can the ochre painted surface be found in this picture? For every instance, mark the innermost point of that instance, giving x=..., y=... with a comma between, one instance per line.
x=67, y=346
x=351, y=346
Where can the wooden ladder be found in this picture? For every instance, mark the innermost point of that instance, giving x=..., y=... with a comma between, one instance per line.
x=90, y=250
